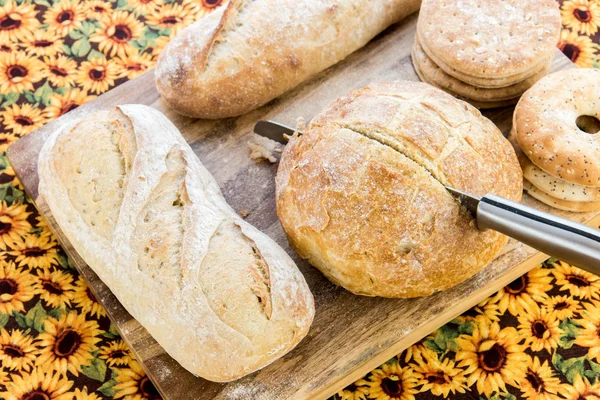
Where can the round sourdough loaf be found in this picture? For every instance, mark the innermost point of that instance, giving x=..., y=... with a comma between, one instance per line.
x=361, y=193
x=489, y=38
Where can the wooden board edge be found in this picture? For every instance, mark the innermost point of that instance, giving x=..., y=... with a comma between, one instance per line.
x=431, y=326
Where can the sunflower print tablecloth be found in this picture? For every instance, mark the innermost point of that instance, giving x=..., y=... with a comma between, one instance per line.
x=538, y=338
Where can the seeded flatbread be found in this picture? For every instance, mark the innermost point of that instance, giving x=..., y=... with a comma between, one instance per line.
x=575, y=206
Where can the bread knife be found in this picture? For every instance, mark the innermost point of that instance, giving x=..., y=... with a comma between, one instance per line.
x=572, y=242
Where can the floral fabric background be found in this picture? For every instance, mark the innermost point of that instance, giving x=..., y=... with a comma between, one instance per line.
x=538, y=338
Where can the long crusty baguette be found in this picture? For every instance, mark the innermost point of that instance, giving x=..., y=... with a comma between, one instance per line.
x=222, y=298
x=252, y=51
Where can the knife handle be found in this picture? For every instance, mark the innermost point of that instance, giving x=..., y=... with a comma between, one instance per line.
x=574, y=243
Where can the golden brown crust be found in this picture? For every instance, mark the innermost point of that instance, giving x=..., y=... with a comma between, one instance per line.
x=489, y=38
x=433, y=74
x=547, y=132
x=242, y=56
x=474, y=103
x=361, y=193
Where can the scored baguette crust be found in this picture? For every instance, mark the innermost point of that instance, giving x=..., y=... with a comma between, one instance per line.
x=219, y=296
x=361, y=193
x=242, y=56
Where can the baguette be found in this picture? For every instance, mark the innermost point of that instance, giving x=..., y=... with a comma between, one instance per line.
x=244, y=55
x=219, y=296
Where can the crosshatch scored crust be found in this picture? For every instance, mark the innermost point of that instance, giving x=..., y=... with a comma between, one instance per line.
x=360, y=194
x=219, y=296
x=252, y=51
x=489, y=38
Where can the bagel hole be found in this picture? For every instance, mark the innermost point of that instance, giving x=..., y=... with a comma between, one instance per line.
x=588, y=124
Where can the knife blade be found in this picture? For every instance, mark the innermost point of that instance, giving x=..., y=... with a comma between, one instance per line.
x=569, y=241
x=274, y=130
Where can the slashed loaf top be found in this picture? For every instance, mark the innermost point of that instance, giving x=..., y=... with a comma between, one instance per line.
x=218, y=295
x=489, y=38
x=251, y=51
x=361, y=193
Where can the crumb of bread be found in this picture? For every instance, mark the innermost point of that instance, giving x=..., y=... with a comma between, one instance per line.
x=262, y=148
x=300, y=124
x=244, y=213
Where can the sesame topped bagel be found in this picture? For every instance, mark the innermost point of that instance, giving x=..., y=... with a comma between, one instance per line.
x=557, y=123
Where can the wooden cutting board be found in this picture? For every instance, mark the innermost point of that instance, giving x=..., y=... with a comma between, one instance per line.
x=350, y=334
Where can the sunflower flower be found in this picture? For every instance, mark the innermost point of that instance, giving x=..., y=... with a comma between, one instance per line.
x=97, y=75
x=39, y=384
x=355, y=391
x=582, y=389
x=68, y=342
x=201, y=7
x=19, y=71
x=55, y=288
x=6, y=139
x=539, y=329
x=13, y=223
x=17, y=350
x=44, y=43
x=170, y=16
x=115, y=32
x=97, y=9
x=64, y=16
x=133, y=384
x=132, y=63
x=392, y=382
x=540, y=383
x=22, y=119
x=85, y=300
x=35, y=252
x=61, y=104
x=579, y=283
x=143, y=7
x=579, y=49
x=18, y=21
x=438, y=377
x=492, y=358
x=61, y=70
x=84, y=395
x=589, y=335
x=16, y=288
x=485, y=312
x=522, y=293
x=562, y=307
x=581, y=16
x=116, y=353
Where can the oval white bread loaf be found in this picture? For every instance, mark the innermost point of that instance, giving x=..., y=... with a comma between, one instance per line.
x=246, y=54
x=219, y=296
x=361, y=194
